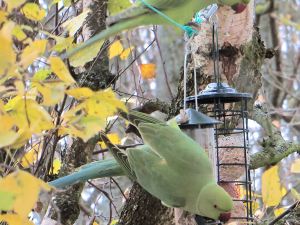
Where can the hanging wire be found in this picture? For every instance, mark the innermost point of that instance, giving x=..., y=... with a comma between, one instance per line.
x=187, y=51
x=195, y=84
x=216, y=54
x=207, y=14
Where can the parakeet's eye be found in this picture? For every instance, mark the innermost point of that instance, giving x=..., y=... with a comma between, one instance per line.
x=215, y=206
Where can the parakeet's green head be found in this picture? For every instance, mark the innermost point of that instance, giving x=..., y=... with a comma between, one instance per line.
x=215, y=203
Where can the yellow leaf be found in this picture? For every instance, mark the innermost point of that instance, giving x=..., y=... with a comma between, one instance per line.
x=41, y=75
x=14, y=219
x=31, y=52
x=75, y=23
x=80, y=93
x=31, y=156
x=19, y=33
x=33, y=11
x=63, y=43
x=59, y=68
x=67, y=3
x=95, y=223
x=124, y=55
x=8, y=135
x=7, y=54
x=26, y=189
x=113, y=137
x=12, y=4
x=115, y=49
x=279, y=211
x=3, y=16
x=88, y=118
x=295, y=168
x=272, y=191
x=56, y=166
x=29, y=116
x=52, y=92
x=85, y=55
x=104, y=104
x=114, y=222
x=23, y=136
x=84, y=127
x=148, y=71
x=19, y=87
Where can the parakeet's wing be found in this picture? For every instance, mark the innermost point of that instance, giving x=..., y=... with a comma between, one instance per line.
x=139, y=9
x=119, y=156
x=180, y=151
x=154, y=175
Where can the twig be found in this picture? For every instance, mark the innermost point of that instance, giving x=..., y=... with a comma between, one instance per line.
x=289, y=210
x=110, y=200
x=119, y=187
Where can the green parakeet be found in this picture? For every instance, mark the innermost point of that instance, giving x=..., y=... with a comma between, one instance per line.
x=174, y=168
x=180, y=11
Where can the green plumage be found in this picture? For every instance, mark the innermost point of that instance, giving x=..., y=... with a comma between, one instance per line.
x=172, y=167
x=180, y=11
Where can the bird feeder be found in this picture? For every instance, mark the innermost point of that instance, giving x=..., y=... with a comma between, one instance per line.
x=232, y=159
x=225, y=104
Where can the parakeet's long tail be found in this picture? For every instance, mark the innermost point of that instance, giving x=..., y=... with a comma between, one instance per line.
x=110, y=31
x=99, y=169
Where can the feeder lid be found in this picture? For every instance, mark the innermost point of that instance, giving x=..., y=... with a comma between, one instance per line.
x=220, y=91
x=195, y=119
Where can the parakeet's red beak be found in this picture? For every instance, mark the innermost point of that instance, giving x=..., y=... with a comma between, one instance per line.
x=224, y=217
x=239, y=7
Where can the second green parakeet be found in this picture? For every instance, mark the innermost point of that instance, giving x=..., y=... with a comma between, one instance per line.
x=174, y=168
x=180, y=11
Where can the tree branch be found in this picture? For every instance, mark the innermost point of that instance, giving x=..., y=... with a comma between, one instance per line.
x=275, y=148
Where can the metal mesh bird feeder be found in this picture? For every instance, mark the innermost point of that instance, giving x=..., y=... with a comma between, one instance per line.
x=229, y=106
x=232, y=162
